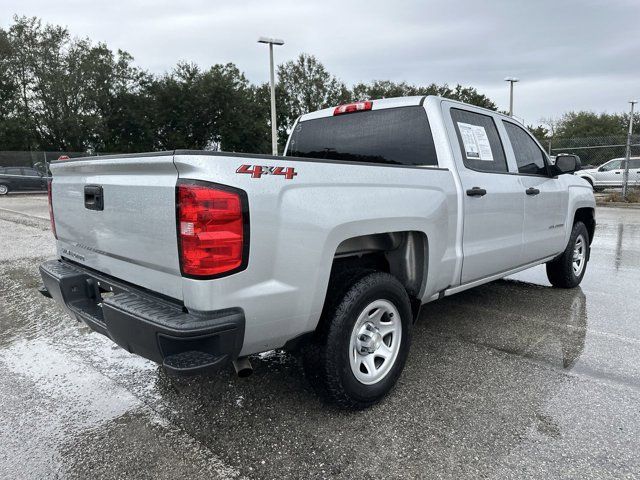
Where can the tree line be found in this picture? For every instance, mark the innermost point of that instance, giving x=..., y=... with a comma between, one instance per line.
x=61, y=93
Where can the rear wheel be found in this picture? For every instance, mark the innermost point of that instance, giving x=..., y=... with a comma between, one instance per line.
x=363, y=339
x=4, y=189
x=567, y=270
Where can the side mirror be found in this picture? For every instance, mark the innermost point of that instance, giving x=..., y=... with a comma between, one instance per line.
x=568, y=163
x=601, y=169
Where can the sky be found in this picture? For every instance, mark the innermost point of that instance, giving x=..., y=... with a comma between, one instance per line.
x=568, y=55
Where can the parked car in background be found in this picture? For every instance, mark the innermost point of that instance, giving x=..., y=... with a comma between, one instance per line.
x=22, y=179
x=611, y=174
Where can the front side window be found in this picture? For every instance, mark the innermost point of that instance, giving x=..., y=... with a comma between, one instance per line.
x=612, y=165
x=479, y=141
x=529, y=157
x=400, y=136
x=13, y=171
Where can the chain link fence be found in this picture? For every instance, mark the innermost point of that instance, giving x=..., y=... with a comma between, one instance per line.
x=595, y=151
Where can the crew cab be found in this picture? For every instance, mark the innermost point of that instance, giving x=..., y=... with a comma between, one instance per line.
x=611, y=173
x=21, y=179
x=198, y=259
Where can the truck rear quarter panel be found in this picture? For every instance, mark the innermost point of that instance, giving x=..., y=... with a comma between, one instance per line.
x=296, y=226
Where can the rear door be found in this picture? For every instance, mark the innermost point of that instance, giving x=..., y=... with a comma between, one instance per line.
x=545, y=197
x=493, y=198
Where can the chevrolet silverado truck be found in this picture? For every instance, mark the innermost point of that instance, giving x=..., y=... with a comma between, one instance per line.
x=198, y=259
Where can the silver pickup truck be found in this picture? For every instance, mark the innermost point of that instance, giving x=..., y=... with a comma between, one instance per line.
x=198, y=259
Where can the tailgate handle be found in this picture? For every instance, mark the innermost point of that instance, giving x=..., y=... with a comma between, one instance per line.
x=93, y=197
x=476, y=192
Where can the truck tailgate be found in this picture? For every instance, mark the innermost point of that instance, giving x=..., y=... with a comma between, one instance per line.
x=133, y=236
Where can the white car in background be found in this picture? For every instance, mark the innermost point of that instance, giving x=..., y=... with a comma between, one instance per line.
x=611, y=174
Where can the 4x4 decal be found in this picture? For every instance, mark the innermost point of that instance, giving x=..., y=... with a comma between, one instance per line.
x=256, y=171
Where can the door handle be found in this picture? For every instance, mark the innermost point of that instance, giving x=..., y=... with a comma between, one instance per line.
x=617, y=173
x=476, y=192
x=532, y=191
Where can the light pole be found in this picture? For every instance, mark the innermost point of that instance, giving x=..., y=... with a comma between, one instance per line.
x=511, y=81
x=274, y=130
x=628, y=153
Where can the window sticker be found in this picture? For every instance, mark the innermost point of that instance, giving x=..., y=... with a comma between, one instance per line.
x=476, y=142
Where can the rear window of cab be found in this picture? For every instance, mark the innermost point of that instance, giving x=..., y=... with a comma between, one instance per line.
x=398, y=136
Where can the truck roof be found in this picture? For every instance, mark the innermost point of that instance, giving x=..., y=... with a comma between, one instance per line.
x=393, y=102
x=378, y=104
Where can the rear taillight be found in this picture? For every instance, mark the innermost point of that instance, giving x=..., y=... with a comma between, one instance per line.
x=353, y=107
x=53, y=221
x=213, y=229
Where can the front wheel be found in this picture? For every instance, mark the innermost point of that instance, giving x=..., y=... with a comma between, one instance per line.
x=567, y=270
x=363, y=340
x=4, y=189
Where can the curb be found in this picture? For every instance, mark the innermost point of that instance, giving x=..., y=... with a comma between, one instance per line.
x=634, y=206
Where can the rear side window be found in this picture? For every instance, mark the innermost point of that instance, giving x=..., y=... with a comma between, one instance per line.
x=400, y=136
x=529, y=157
x=479, y=141
x=634, y=163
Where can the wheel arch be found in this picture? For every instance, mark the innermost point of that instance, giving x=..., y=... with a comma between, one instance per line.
x=403, y=254
x=587, y=216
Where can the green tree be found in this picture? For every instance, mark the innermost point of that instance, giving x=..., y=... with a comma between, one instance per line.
x=605, y=133
x=61, y=93
x=541, y=133
x=214, y=110
x=13, y=131
x=591, y=124
x=305, y=85
x=62, y=86
x=388, y=89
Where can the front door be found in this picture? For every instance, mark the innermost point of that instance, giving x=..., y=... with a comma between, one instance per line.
x=493, y=198
x=610, y=174
x=545, y=197
x=32, y=179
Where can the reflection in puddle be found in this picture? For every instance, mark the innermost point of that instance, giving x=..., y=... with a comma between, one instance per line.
x=532, y=321
x=618, y=257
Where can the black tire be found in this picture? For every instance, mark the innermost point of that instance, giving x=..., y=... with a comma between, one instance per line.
x=590, y=182
x=5, y=190
x=326, y=359
x=560, y=270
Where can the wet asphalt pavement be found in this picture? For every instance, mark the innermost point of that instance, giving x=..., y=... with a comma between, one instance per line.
x=509, y=380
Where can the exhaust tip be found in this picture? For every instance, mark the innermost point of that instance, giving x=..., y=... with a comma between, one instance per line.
x=243, y=367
